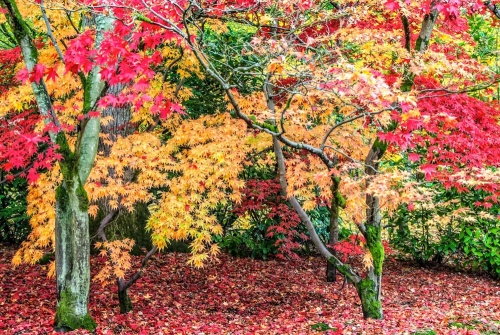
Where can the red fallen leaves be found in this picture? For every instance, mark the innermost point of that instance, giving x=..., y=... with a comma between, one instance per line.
x=244, y=296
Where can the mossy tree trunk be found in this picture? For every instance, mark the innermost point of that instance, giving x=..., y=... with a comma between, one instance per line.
x=337, y=201
x=72, y=219
x=72, y=257
x=368, y=288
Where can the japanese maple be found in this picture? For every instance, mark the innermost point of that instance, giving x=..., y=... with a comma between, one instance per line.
x=330, y=91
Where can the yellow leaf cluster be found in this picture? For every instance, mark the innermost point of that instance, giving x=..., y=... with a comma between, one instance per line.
x=118, y=260
x=126, y=176
x=207, y=158
x=41, y=209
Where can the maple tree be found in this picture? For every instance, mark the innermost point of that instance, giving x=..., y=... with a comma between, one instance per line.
x=330, y=77
x=329, y=86
x=71, y=206
x=72, y=120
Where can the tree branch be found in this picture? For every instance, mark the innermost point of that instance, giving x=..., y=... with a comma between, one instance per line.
x=346, y=270
x=49, y=31
x=494, y=9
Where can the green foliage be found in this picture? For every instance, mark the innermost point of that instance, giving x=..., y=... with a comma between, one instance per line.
x=322, y=327
x=460, y=325
x=125, y=225
x=227, y=48
x=250, y=242
x=424, y=332
x=487, y=37
x=320, y=217
x=207, y=95
x=464, y=243
x=7, y=39
x=14, y=222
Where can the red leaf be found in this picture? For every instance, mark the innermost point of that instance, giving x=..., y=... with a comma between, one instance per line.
x=38, y=72
x=392, y=5
x=52, y=73
x=413, y=157
x=23, y=76
x=32, y=176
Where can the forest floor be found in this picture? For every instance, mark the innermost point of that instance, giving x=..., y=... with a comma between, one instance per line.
x=245, y=296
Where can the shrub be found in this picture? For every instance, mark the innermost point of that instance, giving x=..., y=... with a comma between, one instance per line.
x=14, y=222
x=266, y=225
x=450, y=229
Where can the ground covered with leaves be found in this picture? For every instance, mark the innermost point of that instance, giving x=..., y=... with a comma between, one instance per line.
x=245, y=296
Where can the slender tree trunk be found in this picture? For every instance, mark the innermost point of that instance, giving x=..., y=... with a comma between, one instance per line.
x=336, y=202
x=371, y=286
x=368, y=288
x=123, y=297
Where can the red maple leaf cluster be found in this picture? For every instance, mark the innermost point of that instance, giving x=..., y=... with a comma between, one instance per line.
x=265, y=196
x=23, y=151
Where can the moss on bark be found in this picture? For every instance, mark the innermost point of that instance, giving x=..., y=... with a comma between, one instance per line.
x=62, y=197
x=372, y=307
x=83, y=199
x=67, y=319
x=374, y=244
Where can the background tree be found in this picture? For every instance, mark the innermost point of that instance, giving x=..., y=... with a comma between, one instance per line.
x=341, y=73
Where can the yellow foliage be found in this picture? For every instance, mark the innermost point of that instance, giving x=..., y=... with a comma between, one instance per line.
x=118, y=261
x=41, y=209
x=206, y=157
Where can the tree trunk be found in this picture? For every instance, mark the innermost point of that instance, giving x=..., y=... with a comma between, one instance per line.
x=123, y=298
x=72, y=220
x=336, y=202
x=370, y=288
x=72, y=257
x=368, y=293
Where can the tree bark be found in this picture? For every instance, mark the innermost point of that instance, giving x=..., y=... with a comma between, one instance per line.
x=123, y=297
x=72, y=257
x=336, y=202
x=72, y=220
x=372, y=284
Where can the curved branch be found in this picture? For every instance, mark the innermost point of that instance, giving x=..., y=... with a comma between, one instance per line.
x=49, y=31
x=329, y=132
x=345, y=269
x=494, y=9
